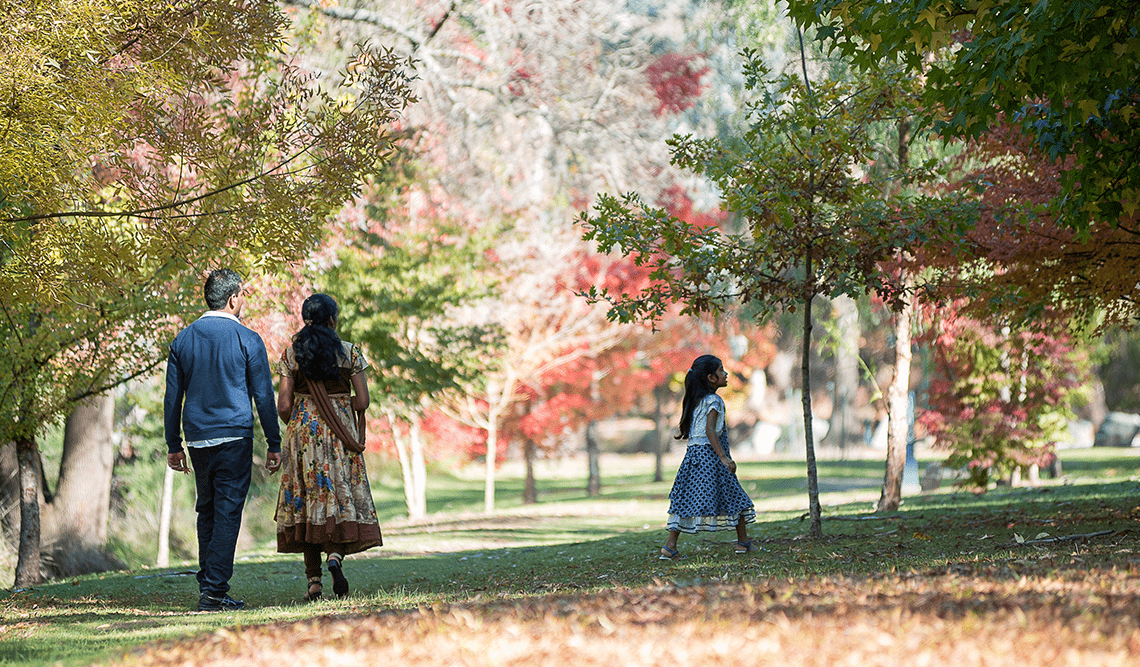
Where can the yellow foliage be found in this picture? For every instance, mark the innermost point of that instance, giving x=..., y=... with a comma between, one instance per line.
x=1087, y=107
x=139, y=133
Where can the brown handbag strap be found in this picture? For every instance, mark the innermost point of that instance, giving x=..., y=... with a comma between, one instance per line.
x=332, y=419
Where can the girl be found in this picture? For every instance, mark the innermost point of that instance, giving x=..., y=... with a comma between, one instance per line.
x=324, y=504
x=706, y=494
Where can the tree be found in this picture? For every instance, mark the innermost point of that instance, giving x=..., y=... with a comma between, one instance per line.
x=1000, y=399
x=545, y=327
x=527, y=110
x=149, y=139
x=398, y=288
x=1065, y=73
x=806, y=222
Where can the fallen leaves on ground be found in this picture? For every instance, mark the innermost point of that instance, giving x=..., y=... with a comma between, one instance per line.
x=955, y=616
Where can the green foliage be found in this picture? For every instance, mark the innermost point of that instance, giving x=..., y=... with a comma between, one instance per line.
x=58, y=353
x=1066, y=72
x=811, y=222
x=175, y=130
x=399, y=292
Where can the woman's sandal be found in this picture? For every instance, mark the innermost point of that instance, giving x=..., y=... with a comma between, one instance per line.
x=670, y=554
x=744, y=547
x=314, y=592
x=340, y=584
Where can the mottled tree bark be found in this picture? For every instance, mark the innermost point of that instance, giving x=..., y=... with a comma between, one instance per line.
x=898, y=407
x=28, y=558
x=594, y=480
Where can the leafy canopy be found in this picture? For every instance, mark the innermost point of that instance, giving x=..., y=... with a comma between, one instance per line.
x=1067, y=72
x=136, y=133
x=143, y=141
x=807, y=219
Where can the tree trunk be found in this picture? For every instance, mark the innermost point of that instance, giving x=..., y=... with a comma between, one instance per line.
x=28, y=559
x=75, y=519
x=898, y=408
x=898, y=402
x=492, y=454
x=163, y=559
x=418, y=508
x=530, y=491
x=816, y=512
x=844, y=429
x=661, y=439
x=83, y=496
x=403, y=455
x=594, y=478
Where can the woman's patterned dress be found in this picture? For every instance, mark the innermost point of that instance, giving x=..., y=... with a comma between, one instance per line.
x=324, y=497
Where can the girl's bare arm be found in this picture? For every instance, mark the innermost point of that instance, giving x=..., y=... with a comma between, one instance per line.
x=714, y=440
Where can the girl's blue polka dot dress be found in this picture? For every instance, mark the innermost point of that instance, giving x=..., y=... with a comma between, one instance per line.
x=705, y=495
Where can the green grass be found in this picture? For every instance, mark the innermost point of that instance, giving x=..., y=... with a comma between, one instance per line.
x=572, y=543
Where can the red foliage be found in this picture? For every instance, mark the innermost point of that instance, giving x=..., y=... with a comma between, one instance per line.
x=999, y=398
x=1031, y=259
x=676, y=80
x=450, y=438
x=677, y=203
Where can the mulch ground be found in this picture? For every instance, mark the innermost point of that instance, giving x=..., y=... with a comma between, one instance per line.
x=960, y=616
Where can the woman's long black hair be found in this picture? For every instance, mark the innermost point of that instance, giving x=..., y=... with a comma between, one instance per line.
x=317, y=346
x=696, y=388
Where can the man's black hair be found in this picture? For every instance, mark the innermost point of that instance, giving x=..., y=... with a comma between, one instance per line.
x=220, y=286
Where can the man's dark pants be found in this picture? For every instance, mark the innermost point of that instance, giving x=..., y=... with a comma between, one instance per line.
x=221, y=475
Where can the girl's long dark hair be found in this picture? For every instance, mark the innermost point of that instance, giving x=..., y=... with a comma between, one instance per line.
x=696, y=388
x=316, y=345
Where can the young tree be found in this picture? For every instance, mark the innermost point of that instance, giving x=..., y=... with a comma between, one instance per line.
x=545, y=327
x=1000, y=399
x=398, y=288
x=807, y=223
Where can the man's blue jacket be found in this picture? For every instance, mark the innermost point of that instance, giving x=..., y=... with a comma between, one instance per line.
x=216, y=365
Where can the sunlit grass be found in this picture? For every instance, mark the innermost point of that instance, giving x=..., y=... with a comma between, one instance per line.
x=570, y=543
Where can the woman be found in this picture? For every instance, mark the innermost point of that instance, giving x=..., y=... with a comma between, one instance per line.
x=324, y=504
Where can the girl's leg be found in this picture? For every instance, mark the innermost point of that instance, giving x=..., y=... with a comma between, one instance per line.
x=743, y=544
x=669, y=551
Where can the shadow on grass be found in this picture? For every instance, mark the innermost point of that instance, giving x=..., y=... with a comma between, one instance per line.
x=945, y=534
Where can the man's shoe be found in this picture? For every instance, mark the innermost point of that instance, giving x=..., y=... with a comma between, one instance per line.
x=224, y=603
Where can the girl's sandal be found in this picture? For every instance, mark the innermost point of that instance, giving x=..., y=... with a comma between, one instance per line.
x=315, y=589
x=744, y=547
x=340, y=583
x=670, y=554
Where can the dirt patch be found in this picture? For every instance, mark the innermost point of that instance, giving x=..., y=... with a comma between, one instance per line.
x=945, y=618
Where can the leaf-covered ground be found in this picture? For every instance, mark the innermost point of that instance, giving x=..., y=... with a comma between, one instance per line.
x=939, y=618
x=1069, y=602
x=1025, y=577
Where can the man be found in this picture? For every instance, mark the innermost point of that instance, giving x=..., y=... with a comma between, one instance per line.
x=216, y=366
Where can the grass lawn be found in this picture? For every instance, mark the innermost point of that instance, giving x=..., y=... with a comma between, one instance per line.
x=571, y=561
